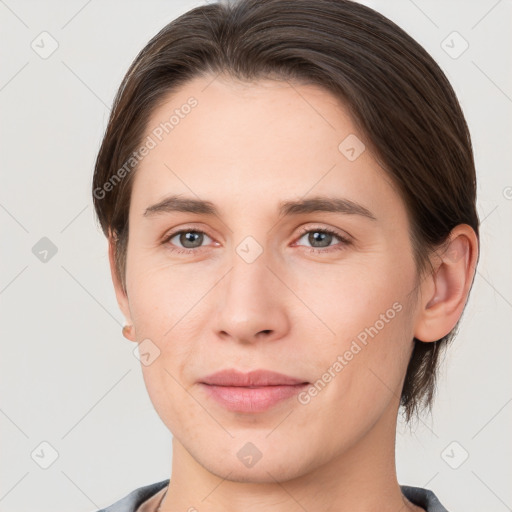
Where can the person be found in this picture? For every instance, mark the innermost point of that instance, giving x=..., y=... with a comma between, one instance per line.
x=288, y=191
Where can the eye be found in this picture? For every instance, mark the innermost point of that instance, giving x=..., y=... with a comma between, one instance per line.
x=190, y=239
x=321, y=238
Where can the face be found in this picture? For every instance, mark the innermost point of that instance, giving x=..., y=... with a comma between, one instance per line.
x=320, y=294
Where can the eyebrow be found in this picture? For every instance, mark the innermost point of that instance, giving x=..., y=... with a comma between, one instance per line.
x=175, y=203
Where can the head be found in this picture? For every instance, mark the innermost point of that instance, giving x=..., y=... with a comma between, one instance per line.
x=260, y=118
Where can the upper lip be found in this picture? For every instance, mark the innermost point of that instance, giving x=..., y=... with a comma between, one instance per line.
x=231, y=377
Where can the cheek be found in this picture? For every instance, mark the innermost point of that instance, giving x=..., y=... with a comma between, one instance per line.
x=359, y=380
x=351, y=297
x=169, y=399
x=370, y=341
x=167, y=326
x=158, y=297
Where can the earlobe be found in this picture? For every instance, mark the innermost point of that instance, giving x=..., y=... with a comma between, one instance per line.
x=445, y=292
x=128, y=333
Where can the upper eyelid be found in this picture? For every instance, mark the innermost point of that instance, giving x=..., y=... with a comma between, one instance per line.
x=335, y=231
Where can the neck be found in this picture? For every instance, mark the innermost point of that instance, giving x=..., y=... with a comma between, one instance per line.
x=361, y=479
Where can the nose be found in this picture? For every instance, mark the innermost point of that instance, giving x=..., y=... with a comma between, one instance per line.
x=251, y=303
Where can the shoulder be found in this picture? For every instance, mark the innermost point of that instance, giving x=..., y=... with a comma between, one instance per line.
x=423, y=497
x=418, y=495
x=131, y=501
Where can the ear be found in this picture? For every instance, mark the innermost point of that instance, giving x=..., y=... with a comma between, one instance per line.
x=122, y=298
x=445, y=292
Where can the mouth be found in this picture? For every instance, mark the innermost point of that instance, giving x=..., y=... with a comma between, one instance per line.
x=252, y=392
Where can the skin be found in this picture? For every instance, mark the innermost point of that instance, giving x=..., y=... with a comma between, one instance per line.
x=246, y=147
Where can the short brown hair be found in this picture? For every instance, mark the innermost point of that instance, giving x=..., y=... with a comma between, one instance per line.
x=399, y=98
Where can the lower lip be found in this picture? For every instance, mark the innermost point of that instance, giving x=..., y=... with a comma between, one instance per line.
x=257, y=399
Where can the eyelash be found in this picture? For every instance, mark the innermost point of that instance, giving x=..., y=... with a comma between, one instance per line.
x=344, y=241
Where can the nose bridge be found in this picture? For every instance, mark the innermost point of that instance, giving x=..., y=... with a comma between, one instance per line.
x=249, y=300
x=248, y=259
x=248, y=281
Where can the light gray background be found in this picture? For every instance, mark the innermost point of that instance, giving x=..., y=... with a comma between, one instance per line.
x=70, y=379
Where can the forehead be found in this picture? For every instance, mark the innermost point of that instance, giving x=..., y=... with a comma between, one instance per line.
x=230, y=141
